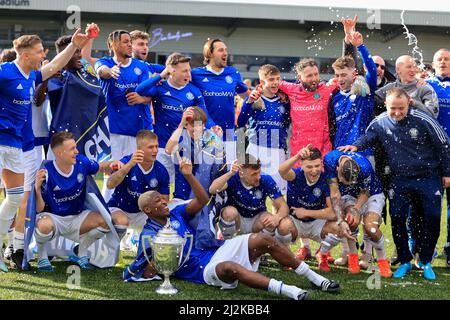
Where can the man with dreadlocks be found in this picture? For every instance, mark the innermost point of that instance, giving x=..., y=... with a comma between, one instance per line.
x=128, y=112
x=356, y=194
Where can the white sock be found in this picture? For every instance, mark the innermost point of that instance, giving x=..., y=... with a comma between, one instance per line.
x=304, y=270
x=328, y=243
x=379, y=248
x=280, y=288
x=8, y=209
x=19, y=241
x=89, y=238
x=41, y=240
x=345, y=248
x=305, y=243
x=352, y=244
x=367, y=244
x=10, y=236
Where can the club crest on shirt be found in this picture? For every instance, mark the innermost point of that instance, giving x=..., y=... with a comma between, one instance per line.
x=137, y=71
x=175, y=224
x=282, y=109
x=229, y=79
x=258, y=194
x=317, y=192
x=80, y=177
x=413, y=132
x=190, y=96
x=153, y=183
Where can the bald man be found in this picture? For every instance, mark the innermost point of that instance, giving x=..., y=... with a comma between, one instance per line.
x=441, y=84
x=424, y=96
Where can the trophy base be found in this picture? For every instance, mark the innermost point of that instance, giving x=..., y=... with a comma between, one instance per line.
x=166, y=289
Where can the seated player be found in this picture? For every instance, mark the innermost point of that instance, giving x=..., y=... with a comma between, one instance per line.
x=189, y=140
x=308, y=198
x=247, y=191
x=356, y=189
x=141, y=172
x=236, y=260
x=60, y=191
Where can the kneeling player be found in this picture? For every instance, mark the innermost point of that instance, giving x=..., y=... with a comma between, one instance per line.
x=247, y=190
x=236, y=260
x=351, y=175
x=308, y=197
x=61, y=187
x=141, y=172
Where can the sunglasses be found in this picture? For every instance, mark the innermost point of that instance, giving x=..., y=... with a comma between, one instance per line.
x=381, y=66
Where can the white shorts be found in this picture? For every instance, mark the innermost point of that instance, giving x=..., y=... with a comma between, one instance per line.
x=374, y=204
x=11, y=159
x=29, y=162
x=121, y=146
x=167, y=162
x=310, y=230
x=68, y=226
x=247, y=223
x=271, y=159
x=233, y=250
x=135, y=220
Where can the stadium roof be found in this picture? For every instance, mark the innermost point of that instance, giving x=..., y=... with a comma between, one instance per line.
x=386, y=12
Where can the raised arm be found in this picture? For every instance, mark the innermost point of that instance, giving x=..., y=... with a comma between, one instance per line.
x=220, y=183
x=86, y=51
x=78, y=41
x=117, y=177
x=174, y=139
x=285, y=169
x=201, y=197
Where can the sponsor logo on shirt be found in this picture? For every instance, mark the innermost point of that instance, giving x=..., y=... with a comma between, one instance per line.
x=57, y=188
x=167, y=93
x=19, y=87
x=125, y=85
x=70, y=198
x=21, y=102
x=174, y=108
x=205, y=80
x=133, y=193
x=313, y=107
x=218, y=94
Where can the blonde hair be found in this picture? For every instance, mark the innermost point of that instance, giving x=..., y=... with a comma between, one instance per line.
x=343, y=62
x=144, y=199
x=138, y=34
x=268, y=69
x=176, y=58
x=25, y=42
x=208, y=49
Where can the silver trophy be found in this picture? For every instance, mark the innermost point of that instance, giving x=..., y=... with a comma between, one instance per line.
x=167, y=247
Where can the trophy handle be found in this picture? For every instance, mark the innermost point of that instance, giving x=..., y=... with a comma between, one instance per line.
x=144, y=247
x=187, y=236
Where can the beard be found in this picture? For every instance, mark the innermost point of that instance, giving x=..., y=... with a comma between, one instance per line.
x=309, y=86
